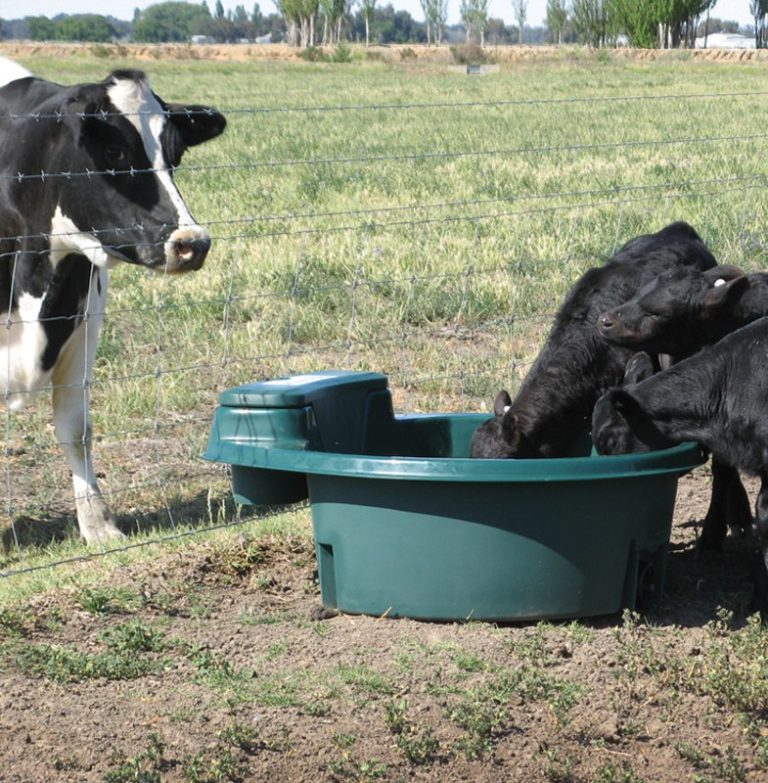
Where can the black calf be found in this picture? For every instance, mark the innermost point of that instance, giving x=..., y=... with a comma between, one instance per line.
x=717, y=397
x=553, y=408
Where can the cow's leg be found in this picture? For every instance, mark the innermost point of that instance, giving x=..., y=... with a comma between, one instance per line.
x=761, y=523
x=71, y=418
x=729, y=504
x=715, y=522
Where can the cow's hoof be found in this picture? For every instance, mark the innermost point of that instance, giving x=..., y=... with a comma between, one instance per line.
x=96, y=523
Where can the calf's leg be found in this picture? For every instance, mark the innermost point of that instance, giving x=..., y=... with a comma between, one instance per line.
x=729, y=504
x=761, y=524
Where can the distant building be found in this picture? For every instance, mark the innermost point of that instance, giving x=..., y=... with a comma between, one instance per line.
x=202, y=39
x=726, y=41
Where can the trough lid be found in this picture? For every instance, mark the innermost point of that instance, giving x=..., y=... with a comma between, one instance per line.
x=297, y=391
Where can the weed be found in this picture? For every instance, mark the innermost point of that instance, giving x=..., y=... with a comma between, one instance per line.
x=363, y=679
x=145, y=767
x=557, y=769
x=733, y=669
x=468, y=662
x=217, y=766
x=13, y=622
x=133, y=637
x=418, y=746
x=242, y=737
x=215, y=671
x=481, y=716
x=609, y=773
x=342, y=740
x=107, y=600
x=64, y=664
x=349, y=769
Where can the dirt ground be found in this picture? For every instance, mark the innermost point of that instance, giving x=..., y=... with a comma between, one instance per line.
x=214, y=663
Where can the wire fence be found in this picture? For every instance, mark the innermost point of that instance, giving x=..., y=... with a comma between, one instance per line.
x=450, y=295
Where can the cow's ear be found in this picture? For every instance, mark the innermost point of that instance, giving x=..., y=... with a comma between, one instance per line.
x=196, y=124
x=724, y=272
x=727, y=284
x=639, y=367
x=624, y=403
x=502, y=403
x=511, y=430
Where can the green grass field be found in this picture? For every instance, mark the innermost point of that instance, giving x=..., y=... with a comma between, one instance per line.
x=402, y=218
x=413, y=220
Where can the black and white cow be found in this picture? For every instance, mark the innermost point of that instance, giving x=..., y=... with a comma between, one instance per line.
x=86, y=181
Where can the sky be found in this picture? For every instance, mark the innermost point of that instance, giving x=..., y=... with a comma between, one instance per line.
x=737, y=10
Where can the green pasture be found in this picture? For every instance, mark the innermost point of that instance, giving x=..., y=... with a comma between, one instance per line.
x=405, y=218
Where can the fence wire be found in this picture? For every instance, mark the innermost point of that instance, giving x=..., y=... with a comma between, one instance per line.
x=450, y=296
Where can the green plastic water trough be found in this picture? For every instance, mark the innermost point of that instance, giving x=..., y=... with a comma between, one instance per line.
x=406, y=525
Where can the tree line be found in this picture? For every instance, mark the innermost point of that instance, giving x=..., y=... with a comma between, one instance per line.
x=650, y=23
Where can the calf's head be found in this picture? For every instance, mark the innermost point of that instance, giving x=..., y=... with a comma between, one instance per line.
x=118, y=143
x=668, y=314
x=508, y=434
x=619, y=423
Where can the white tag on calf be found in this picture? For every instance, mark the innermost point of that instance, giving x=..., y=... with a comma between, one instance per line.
x=719, y=282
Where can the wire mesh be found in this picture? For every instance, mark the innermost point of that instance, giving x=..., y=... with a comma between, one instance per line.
x=449, y=288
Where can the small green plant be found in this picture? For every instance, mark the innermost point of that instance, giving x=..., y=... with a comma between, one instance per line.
x=407, y=53
x=481, y=716
x=350, y=769
x=106, y=600
x=732, y=671
x=417, y=746
x=244, y=738
x=217, y=766
x=609, y=773
x=364, y=679
x=558, y=769
x=13, y=623
x=133, y=637
x=64, y=664
x=145, y=767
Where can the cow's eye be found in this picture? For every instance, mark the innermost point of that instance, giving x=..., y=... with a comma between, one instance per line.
x=115, y=155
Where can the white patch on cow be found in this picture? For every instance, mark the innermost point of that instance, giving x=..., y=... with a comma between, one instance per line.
x=137, y=102
x=719, y=282
x=10, y=71
x=66, y=238
x=140, y=106
x=507, y=408
x=21, y=353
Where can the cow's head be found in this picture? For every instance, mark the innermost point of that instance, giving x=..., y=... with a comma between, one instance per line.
x=611, y=432
x=668, y=314
x=121, y=142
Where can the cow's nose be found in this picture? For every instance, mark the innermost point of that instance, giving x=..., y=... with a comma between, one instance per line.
x=605, y=322
x=187, y=249
x=192, y=252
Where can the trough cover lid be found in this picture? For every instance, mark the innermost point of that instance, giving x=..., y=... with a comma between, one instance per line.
x=296, y=391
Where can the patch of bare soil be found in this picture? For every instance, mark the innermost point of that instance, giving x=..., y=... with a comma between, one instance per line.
x=214, y=663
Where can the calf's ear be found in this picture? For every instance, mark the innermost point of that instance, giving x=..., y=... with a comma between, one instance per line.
x=196, y=124
x=624, y=403
x=727, y=284
x=502, y=403
x=639, y=367
x=511, y=430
